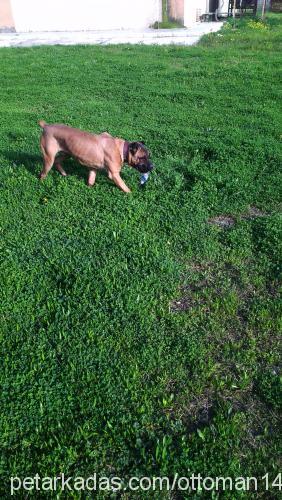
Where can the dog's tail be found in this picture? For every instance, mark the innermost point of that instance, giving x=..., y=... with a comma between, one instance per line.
x=42, y=123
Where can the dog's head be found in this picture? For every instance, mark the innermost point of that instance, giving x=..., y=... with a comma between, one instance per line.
x=139, y=157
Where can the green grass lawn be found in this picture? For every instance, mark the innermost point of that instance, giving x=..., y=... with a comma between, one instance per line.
x=139, y=333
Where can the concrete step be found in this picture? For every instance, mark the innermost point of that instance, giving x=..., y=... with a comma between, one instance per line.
x=185, y=36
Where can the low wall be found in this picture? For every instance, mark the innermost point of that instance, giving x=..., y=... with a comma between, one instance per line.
x=276, y=6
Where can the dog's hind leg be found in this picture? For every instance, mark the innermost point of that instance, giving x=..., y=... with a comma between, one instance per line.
x=48, y=161
x=49, y=151
x=91, y=177
x=58, y=163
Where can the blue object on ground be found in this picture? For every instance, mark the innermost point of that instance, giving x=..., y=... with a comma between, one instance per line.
x=144, y=178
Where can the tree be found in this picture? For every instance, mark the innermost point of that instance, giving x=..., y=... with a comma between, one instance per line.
x=263, y=10
x=234, y=13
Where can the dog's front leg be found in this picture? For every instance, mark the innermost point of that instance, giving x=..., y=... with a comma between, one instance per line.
x=119, y=182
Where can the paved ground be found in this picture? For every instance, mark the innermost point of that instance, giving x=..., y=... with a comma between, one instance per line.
x=186, y=36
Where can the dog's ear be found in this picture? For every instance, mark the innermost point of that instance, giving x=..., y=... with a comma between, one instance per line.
x=133, y=147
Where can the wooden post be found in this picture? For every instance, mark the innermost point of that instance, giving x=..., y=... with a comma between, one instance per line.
x=234, y=14
x=263, y=10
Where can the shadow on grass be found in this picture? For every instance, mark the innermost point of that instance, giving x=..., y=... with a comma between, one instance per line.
x=19, y=159
x=33, y=164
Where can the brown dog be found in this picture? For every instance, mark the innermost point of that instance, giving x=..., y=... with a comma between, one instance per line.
x=93, y=151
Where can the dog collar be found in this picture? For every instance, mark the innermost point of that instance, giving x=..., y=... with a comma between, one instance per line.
x=125, y=151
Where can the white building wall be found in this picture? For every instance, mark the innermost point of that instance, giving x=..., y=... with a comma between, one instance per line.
x=67, y=15
x=223, y=7
x=193, y=9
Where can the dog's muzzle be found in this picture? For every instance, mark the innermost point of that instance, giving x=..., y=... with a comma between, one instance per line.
x=144, y=168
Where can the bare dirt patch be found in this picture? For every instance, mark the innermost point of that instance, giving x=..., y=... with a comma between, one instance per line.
x=190, y=297
x=227, y=221
x=253, y=213
x=224, y=221
x=202, y=283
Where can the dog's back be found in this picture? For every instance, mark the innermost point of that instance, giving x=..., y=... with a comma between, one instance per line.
x=91, y=150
